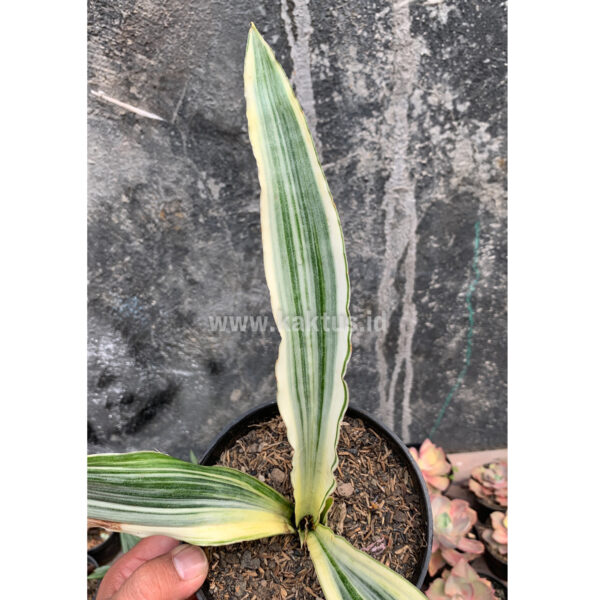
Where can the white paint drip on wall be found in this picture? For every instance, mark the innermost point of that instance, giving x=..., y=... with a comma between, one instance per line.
x=300, y=50
x=400, y=227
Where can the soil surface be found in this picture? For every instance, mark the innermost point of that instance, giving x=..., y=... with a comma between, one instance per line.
x=376, y=508
x=92, y=587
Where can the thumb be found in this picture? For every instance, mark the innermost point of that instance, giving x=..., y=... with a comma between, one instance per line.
x=172, y=576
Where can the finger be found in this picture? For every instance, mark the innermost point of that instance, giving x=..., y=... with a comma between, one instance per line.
x=143, y=551
x=172, y=576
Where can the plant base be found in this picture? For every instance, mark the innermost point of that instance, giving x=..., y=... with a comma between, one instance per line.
x=377, y=507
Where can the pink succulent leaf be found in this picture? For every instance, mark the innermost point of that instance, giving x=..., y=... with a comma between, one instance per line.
x=488, y=537
x=493, y=477
x=499, y=519
x=463, y=516
x=490, y=482
x=433, y=459
x=434, y=465
x=477, y=488
x=500, y=536
x=445, y=574
x=452, y=521
x=436, y=483
x=452, y=557
x=457, y=587
x=471, y=546
x=436, y=590
x=426, y=445
x=439, y=504
x=436, y=562
x=500, y=526
x=481, y=591
x=465, y=570
x=462, y=583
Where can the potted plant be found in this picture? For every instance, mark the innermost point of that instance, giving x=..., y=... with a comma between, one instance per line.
x=495, y=540
x=144, y=493
x=461, y=583
x=489, y=484
x=453, y=539
x=257, y=444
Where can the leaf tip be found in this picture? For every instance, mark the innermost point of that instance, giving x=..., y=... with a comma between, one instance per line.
x=253, y=30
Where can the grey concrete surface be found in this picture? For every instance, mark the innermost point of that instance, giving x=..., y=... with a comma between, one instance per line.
x=407, y=103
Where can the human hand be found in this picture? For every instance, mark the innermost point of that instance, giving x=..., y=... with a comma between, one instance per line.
x=156, y=568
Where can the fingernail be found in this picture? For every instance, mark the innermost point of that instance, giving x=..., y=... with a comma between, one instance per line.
x=190, y=561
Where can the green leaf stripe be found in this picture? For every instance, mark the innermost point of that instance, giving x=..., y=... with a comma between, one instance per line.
x=346, y=573
x=306, y=271
x=145, y=493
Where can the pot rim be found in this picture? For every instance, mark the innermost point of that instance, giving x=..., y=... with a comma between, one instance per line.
x=265, y=411
x=103, y=553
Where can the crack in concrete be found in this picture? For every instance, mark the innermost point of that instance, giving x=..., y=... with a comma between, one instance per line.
x=400, y=227
x=300, y=51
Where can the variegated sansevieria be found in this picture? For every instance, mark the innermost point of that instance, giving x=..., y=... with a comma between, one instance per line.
x=307, y=275
x=346, y=573
x=145, y=493
x=148, y=493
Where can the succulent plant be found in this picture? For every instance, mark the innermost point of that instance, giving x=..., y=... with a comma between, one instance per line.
x=462, y=583
x=496, y=536
x=434, y=465
x=452, y=522
x=489, y=482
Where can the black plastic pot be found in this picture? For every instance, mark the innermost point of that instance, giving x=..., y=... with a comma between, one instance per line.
x=103, y=553
x=498, y=567
x=92, y=564
x=227, y=438
x=485, y=509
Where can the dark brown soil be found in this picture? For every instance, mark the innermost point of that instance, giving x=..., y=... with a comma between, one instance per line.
x=375, y=507
x=96, y=536
x=92, y=587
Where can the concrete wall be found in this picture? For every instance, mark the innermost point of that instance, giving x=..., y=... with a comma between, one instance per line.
x=407, y=103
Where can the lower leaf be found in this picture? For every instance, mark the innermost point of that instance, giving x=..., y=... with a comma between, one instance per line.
x=149, y=493
x=346, y=573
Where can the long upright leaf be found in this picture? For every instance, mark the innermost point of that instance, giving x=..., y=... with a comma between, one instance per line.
x=307, y=275
x=148, y=493
x=349, y=574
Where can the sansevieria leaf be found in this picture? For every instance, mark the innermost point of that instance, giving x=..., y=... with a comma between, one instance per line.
x=307, y=275
x=346, y=573
x=148, y=493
